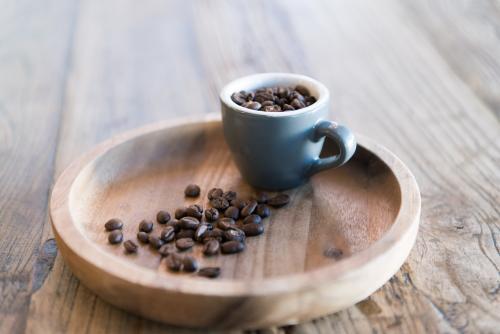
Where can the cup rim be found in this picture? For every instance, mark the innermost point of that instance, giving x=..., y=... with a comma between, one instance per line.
x=260, y=79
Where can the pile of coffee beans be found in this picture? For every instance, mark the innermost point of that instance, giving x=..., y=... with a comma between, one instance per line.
x=221, y=228
x=274, y=99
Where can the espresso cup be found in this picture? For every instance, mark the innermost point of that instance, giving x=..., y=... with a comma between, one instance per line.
x=280, y=150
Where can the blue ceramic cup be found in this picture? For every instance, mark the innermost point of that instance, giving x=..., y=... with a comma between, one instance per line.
x=280, y=150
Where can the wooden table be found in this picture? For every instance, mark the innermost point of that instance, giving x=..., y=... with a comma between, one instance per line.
x=421, y=77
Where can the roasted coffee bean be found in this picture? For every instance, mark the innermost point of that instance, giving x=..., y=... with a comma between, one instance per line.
x=287, y=107
x=195, y=211
x=189, y=264
x=175, y=224
x=302, y=90
x=260, y=197
x=166, y=250
x=179, y=213
x=184, y=234
x=234, y=233
x=184, y=243
x=209, y=272
x=231, y=247
x=143, y=237
x=214, y=193
x=215, y=234
x=211, y=214
x=174, y=262
x=156, y=242
x=146, y=226
x=298, y=96
x=163, y=217
x=283, y=92
x=252, y=219
x=239, y=203
x=263, y=210
x=225, y=223
x=113, y=224
x=211, y=247
x=333, y=252
x=189, y=223
x=192, y=190
x=254, y=105
x=273, y=108
x=297, y=104
x=200, y=232
x=238, y=98
x=267, y=104
x=115, y=237
x=279, y=200
x=168, y=234
x=230, y=195
x=130, y=246
x=252, y=229
x=220, y=203
x=232, y=212
x=248, y=209
x=310, y=100
x=263, y=96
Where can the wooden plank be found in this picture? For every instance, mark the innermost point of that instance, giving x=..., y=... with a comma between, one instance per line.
x=388, y=80
x=34, y=46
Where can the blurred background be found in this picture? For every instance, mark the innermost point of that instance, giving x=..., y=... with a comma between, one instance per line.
x=420, y=77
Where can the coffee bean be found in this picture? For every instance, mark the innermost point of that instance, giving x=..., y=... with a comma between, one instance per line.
x=283, y=92
x=130, y=246
x=232, y=212
x=267, y=104
x=195, y=211
x=115, y=237
x=201, y=231
x=254, y=105
x=189, y=264
x=209, y=272
x=113, y=224
x=189, y=223
x=212, y=214
x=287, y=107
x=175, y=224
x=166, y=250
x=143, y=237
x=238, y=98
x=279, y=200
x=297, y=104
x=179, y=213
x=273, y=108
x=260, y=197
x=263, y=210
x=239, y=203
x=215, y=234
x=192, y=190
x=184, y=234
x=310, y=100
x=174, y=262
x=211, y=247
x=333, y=252
x=163, y=217
x=155, y=241
x=234, y=233
x=225, y=223
x=302, y=90
x=214, y=193
x=252, y=219
x=231, y=247
x=230, y=195
x=253, y=229
x=263, y=96
x=168, y=234
x=248, y=209
x=184, y=243
x=146, y=226
x=219, y=203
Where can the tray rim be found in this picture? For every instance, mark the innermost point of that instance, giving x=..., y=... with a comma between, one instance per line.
x=70, y=239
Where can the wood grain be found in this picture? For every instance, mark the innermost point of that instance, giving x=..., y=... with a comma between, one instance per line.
x=421, y=78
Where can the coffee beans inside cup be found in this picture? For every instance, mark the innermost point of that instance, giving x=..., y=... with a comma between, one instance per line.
x=223, y=227
x=275, y=99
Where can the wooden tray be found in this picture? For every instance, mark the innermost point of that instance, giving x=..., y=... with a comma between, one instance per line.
x=369, y=209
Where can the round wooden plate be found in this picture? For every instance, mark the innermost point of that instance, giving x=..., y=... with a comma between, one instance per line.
x=367, y=210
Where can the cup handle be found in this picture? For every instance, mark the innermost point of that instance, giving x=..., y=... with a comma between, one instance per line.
x=342, y=136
